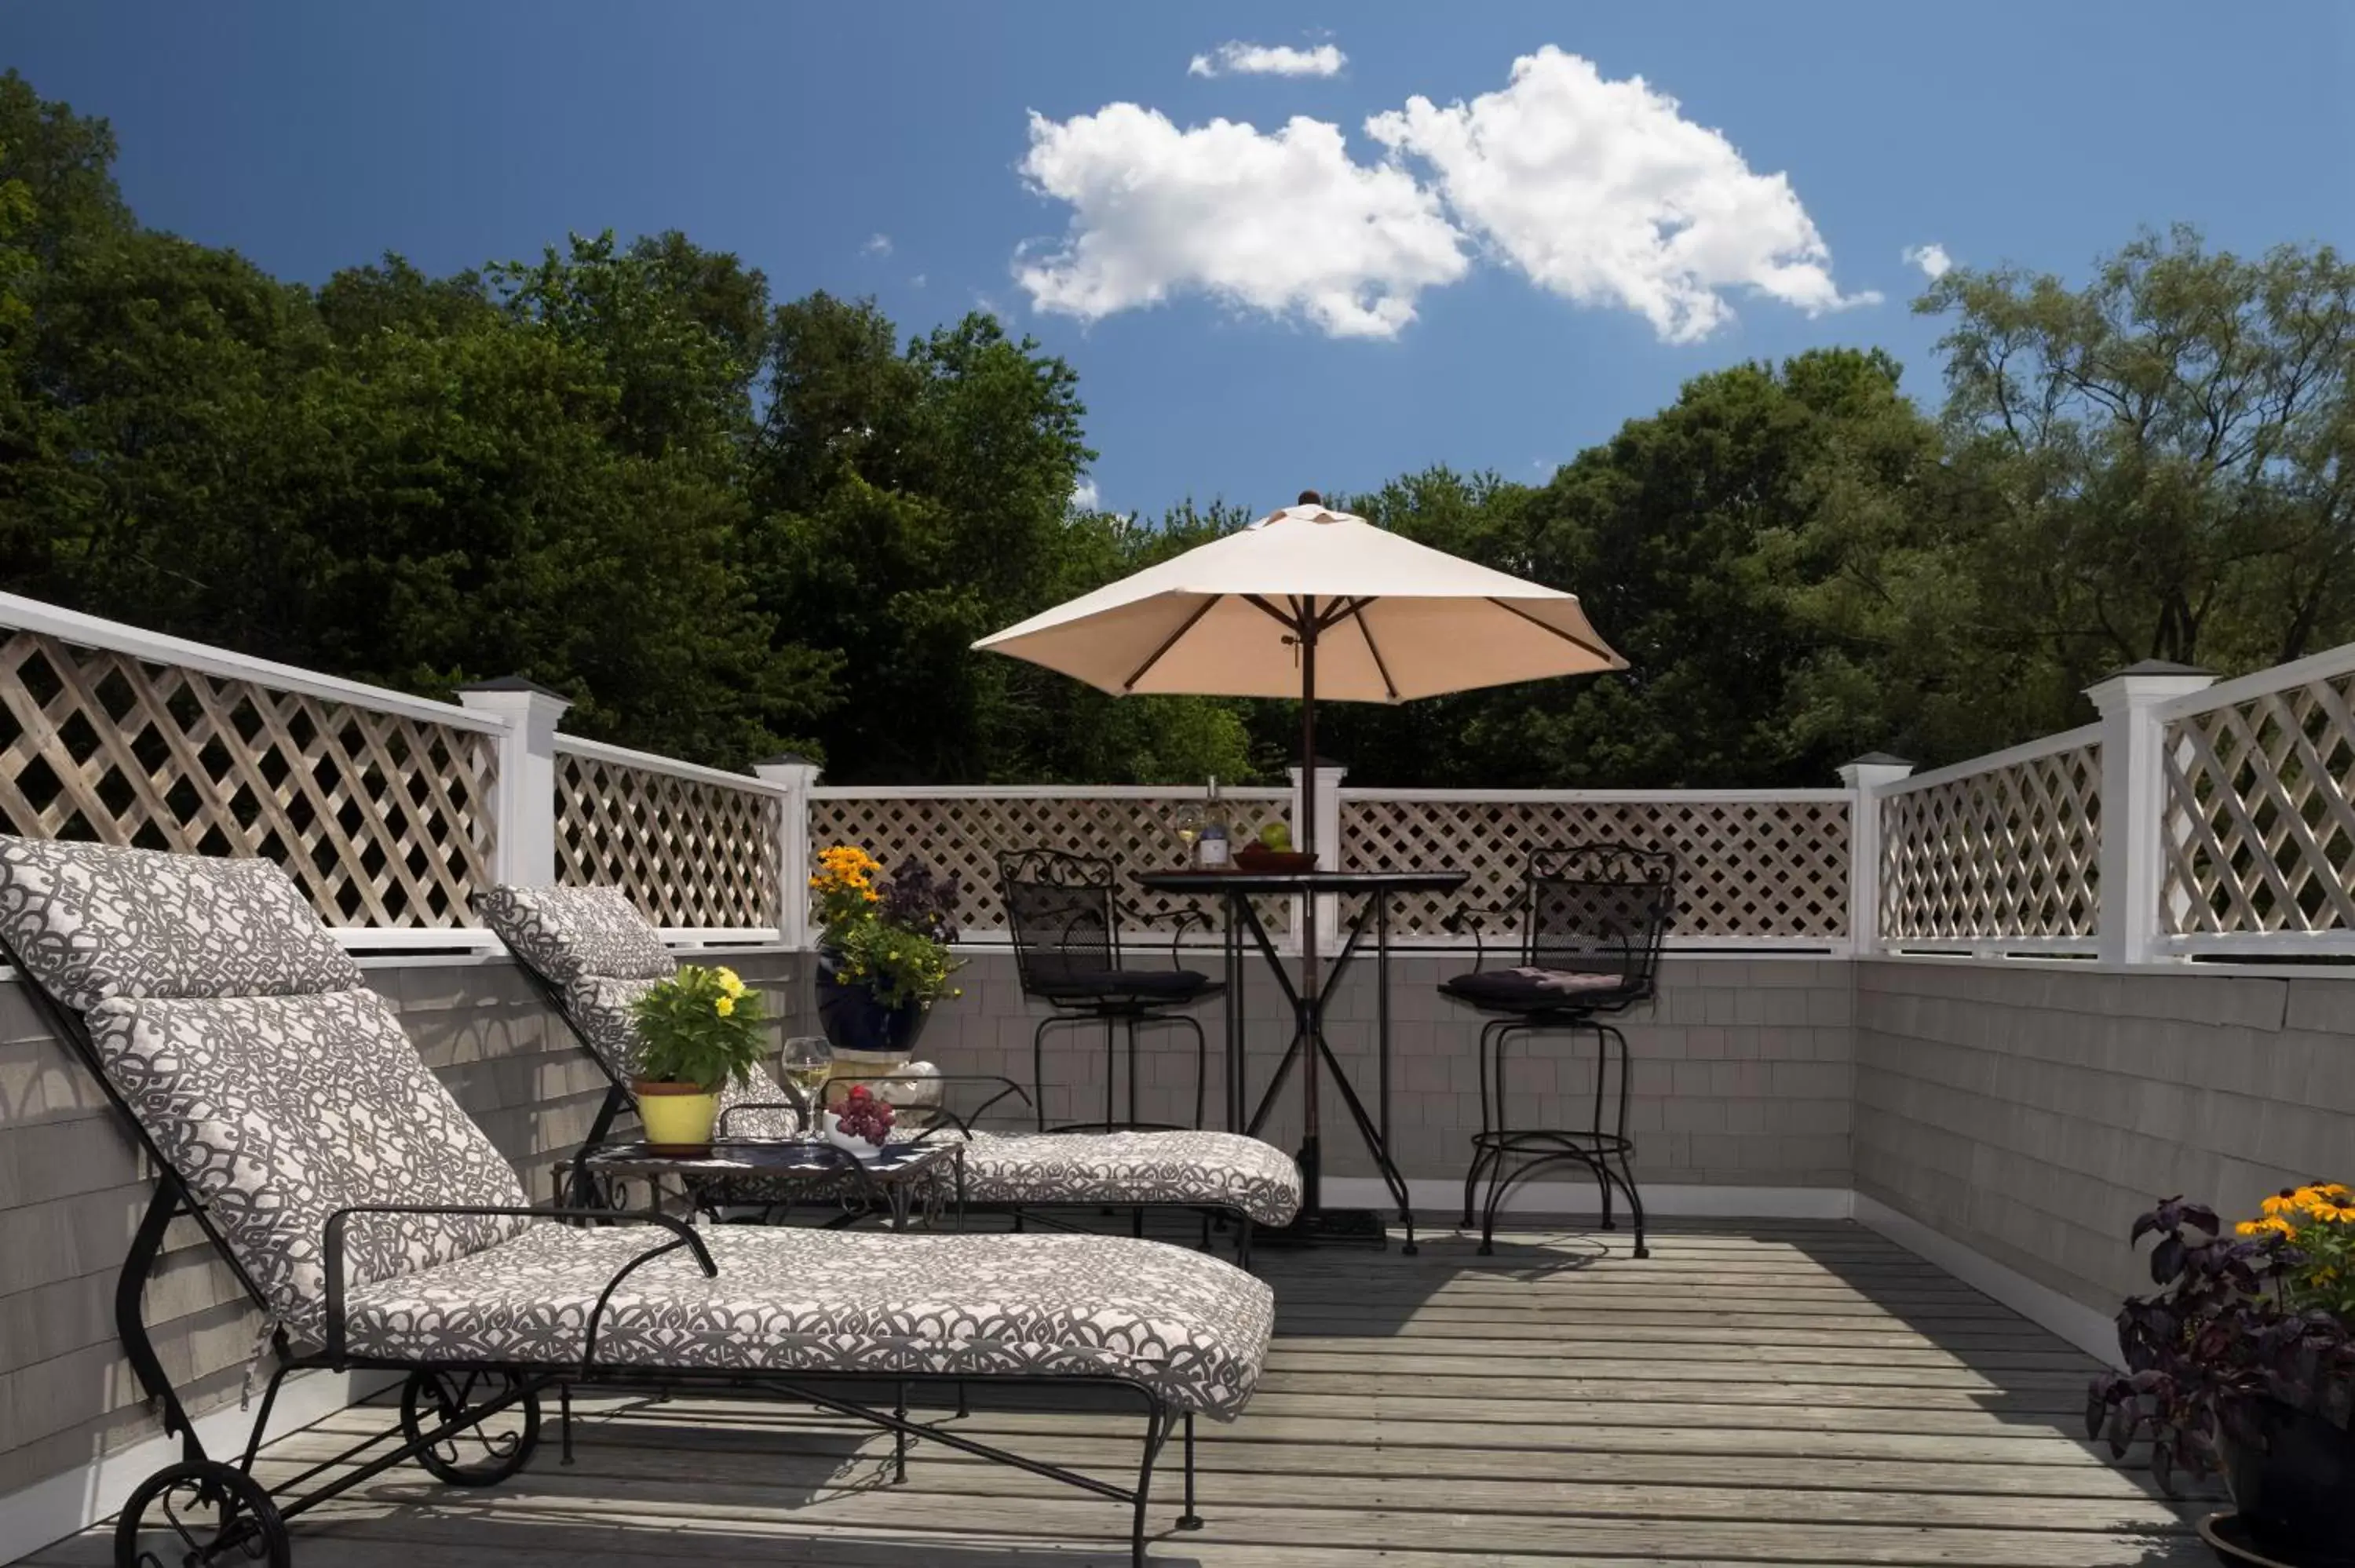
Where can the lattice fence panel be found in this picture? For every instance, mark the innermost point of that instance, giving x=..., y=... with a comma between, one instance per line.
x=2260, y=832
x=383, y=819
x=688, y=852
x=1744, y=868
x=965, y=835
x=2012, y=852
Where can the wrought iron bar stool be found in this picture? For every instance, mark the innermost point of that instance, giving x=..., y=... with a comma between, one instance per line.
x=1065, y=911
x=1593, y=918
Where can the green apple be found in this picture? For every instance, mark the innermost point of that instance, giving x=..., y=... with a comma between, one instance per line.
x=1277, y=837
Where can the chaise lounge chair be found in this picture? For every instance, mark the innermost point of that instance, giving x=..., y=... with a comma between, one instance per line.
x=592, y=953
x=376, y=1228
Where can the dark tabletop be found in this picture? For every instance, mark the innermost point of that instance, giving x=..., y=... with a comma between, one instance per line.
x=789, y=1159
x=1234, y=881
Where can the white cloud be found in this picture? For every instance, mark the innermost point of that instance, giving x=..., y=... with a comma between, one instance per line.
x=1084, y=496
x=1605, y=193
x=1284, y=222
x=1932, y=259
x=1268, y=59
x=878, y=245
x=918, y=281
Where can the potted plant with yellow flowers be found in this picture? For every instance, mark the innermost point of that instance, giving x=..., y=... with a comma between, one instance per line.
x=883, y=960
x=2244, y=1362
x=698, y=1030
x=883, y=955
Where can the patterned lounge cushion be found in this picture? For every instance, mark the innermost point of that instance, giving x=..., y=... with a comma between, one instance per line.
x=1221, y=1170
x=569, y=933
x=92, y=922
x=791, y=1300
x=277, y=1111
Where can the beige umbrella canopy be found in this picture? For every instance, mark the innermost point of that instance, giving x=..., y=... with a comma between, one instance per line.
x=1308, y=602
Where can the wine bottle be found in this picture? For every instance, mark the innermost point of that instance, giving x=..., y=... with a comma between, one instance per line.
x=1210, y=849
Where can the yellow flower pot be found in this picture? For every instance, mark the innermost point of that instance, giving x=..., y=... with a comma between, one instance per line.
x=677, y=1117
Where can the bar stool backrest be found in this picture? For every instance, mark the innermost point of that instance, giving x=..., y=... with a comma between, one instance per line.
x=1063, y=915
x=1601, y=908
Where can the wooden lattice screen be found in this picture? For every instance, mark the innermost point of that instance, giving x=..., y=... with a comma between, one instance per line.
x=688, y=852
x=384, y=819
x=965, y=833
x=2011, y=851
x=1744, y=868
x=2259, y=830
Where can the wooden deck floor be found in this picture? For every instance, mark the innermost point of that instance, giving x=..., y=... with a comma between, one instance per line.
x=1752, y=1393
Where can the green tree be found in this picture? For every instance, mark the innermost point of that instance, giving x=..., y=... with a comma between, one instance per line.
x=2164, y=452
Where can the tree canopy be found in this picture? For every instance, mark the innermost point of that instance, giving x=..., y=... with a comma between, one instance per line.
x=726, y=525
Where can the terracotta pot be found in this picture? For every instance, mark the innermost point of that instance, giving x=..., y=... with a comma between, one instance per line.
x=678, y=1117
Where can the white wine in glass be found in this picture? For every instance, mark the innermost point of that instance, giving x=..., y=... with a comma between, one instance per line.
x=808, y=1062
x=1188, y=827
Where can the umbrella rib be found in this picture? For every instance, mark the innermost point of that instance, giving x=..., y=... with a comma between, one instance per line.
x=1357, y=614
x=1289, y=623
x=1602, y=653
x=1169, y=642
x=1341, y=610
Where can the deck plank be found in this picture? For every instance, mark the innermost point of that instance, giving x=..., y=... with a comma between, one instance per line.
x=1788, y=1393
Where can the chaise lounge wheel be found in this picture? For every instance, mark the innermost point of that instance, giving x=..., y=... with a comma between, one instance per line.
x=477, y=1456
x=198, y=1513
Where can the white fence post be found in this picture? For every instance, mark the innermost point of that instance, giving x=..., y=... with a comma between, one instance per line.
x=2134, y=803
x=525, y=800
x=1866, y=778
x=798, y=775
x=1330, y=775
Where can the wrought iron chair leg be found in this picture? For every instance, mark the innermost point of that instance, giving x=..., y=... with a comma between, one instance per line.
x=899, y=1434
x=1134, y=1020
x=1243, y=1245
x=1189, y=1520
x=1201, y=1060
x=1038, y=1066
x=1622, y=1154
x=564, y=1421
x=1157, y=1422
x=1500, y=1180
x=1602, y=1074
x=1480, y=1154
x=1110, y=1076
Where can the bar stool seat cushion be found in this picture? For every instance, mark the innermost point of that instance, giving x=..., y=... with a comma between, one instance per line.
x=1211, y=1170
x=1116, y=986
x=1527, y=989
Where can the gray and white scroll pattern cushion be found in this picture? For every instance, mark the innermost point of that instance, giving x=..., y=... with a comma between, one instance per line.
x=1192, y=1328
x=91, y=921
x=278, y=1111
x=1218, y=1169
x=603, y=1008
x=566, y=933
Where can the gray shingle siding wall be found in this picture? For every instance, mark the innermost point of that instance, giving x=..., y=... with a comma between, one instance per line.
x=2031, y=1113
x=1742, y=1068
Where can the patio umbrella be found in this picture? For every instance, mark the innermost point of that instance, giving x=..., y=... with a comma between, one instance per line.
x=1312, y=603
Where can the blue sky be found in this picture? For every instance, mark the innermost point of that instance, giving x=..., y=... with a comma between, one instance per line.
x=1482, y=285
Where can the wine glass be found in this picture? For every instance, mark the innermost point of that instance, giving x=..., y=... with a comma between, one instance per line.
x=1188, y=826
x=808, y=1062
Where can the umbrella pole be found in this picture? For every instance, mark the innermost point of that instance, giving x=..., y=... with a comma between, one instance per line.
x=1311, y=1026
